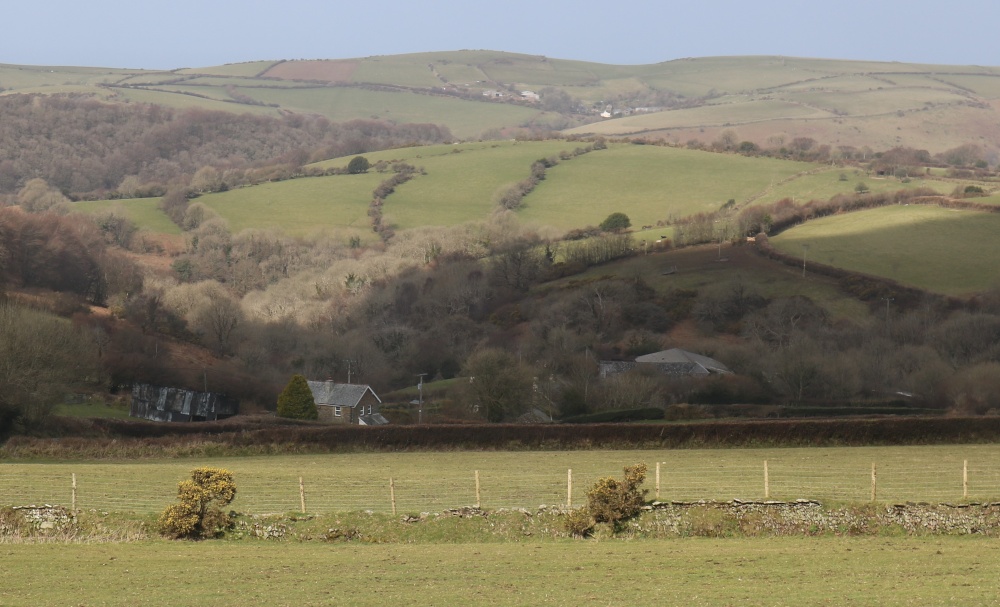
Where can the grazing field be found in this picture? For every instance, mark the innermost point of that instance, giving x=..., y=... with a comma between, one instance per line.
x=826, y=184
x=467, y=119
x=941, y=250
x=433, y=481
x=798, y=572
x=298, y=206
x=145, y=212
x=648, y=183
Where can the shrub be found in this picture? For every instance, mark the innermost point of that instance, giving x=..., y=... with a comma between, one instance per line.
x=610, y=501
x=198, y=513
x=358, y=165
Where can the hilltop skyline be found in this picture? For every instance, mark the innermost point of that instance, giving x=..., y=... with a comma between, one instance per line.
x=189, y=33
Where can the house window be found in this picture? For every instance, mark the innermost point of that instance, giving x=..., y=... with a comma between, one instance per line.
x=336, y=411
x=369, y=409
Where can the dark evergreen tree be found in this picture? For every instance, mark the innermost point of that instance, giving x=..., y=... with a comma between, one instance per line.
x=296, y=400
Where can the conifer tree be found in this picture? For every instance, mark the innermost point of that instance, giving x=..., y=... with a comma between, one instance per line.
x=296, y=400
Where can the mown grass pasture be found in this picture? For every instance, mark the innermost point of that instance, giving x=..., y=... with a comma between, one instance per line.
x=942, y=250
x=433, y=481
x=873, y=572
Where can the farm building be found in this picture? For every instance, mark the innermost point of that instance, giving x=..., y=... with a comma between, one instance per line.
x=674, y=362
x=164, y=404
x=347, y=403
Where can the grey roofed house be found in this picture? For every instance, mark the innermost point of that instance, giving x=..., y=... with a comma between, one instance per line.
x=674, y=362
x=347, y=403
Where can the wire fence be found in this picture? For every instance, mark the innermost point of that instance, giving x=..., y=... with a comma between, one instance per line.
x=271, y=490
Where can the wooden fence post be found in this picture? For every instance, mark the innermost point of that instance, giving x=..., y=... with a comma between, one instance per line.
x=767, y=482
x=965, y=479
x=478, y=502
x=73, y=499
x=302, y=495
x=657, y=481
x=569, y=488
x=392, y=495
x=874, y=482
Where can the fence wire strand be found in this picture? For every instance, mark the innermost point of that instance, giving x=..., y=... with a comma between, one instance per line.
x=326, y=491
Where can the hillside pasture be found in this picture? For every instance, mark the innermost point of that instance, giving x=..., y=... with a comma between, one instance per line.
x=827, y=184
x=863, y=572
x=718, y=114
x=649, y=184
x=247, y=69
x=298, y=206
x=460, y=179
x=876, y=102
x=144, y=212
x=464, y=118
x=941, y=250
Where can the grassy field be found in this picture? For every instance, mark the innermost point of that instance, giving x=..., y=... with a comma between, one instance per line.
x=465, y=118
x=797, y=572
x=648, y=183
x=144, y=212
x=433, y=481
x=298, y=206
x=827, y=184
x=942, y=250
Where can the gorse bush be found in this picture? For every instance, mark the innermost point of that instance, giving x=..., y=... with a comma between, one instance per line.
x=199, y=511
x=610, y=501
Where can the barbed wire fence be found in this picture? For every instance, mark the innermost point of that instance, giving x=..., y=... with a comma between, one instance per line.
x=324, y=492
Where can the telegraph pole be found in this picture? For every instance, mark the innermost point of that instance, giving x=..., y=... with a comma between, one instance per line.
x=805, y=249
x=420, y=398
x=887, y=300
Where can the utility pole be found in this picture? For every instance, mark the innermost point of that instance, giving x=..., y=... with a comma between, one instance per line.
x=348, y=361
x=887, y=300
x=420, y=398
x=805, y=249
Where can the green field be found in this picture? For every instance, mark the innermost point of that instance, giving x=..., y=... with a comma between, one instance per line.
x=797, y=572
x=145, y=212
x=827, y=184
x=432, y=481
x=648, y=183
x=461, y=180
x=941, y=250
x=298, y=206
x=466, y=119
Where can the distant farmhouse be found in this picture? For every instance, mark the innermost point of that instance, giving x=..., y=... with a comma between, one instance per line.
x=674, y=363
x=163, y=404
x=347, y=403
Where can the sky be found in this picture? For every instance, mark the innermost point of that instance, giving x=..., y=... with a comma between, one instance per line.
x=169, y=34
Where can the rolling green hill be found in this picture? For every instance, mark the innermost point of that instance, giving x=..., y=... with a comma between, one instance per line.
x=942, y=250
x=846, y=103
x=651, y=184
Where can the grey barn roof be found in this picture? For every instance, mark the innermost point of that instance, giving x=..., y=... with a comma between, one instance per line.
x=339, y=395
x=678, y=356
